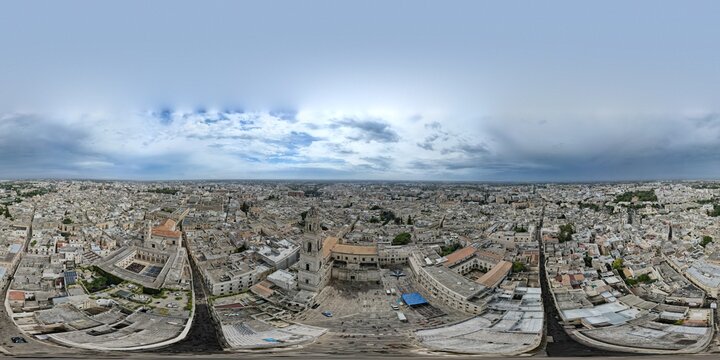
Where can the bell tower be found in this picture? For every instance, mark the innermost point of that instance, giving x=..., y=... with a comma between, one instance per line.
x=312, y=221
x=310, y=263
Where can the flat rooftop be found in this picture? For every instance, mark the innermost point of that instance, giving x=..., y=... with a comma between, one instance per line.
x=454, y=281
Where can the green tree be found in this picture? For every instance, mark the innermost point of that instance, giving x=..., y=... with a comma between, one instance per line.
x=715, y=212
x=617, y=264
x=566, y=232
x=706, y=240
x=387, y=216
x=449, y=249
x=518, y=266
x=642, y=195
x=402, y=239
x=409, y=220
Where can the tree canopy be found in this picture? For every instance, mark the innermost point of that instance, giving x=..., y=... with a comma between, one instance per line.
x=566, y=232
x=706, y=240
x=617, y=264
x=402, y=239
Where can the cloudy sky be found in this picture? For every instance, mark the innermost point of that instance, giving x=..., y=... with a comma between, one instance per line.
x=419, y=90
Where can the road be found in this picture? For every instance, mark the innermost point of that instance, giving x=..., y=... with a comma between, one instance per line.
x=562, y=344
x=203, y=336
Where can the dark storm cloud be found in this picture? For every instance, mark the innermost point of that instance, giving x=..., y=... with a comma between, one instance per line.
x=33, y=146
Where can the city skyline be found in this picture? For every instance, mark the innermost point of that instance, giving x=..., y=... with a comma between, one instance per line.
x=512, y=92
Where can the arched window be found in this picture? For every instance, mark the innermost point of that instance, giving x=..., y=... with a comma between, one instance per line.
x=309, y=247
x=307, y=267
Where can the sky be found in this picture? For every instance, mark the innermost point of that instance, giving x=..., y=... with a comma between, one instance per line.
x=370, y=90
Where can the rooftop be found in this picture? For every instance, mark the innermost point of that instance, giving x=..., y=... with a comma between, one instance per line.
x=454, y=281
x=355, y=249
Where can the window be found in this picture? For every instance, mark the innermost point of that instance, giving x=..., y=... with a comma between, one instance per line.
x=309, y=247
x=307, y=281
x=307, y=267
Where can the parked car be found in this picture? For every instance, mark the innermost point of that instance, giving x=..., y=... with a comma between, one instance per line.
x=327, y=313
x=18, y=340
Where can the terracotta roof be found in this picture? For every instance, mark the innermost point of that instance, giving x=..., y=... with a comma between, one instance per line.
x=459, y=256
x=328, y=245
x=167, y=229
x=355, y=249
x=166, y=233
x=262, y=291
x=15, y=295
x=493, y=277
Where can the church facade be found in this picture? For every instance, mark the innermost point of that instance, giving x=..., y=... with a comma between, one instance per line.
x=323, y=259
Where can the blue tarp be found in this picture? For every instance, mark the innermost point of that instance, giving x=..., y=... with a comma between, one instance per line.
x=413, y=299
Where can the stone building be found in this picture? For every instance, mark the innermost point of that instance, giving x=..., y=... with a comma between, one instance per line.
x=322, y=259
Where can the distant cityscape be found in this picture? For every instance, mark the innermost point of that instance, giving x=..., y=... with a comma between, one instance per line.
x=338, y=267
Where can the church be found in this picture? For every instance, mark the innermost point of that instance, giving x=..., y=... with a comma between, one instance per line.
x=325, y=258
